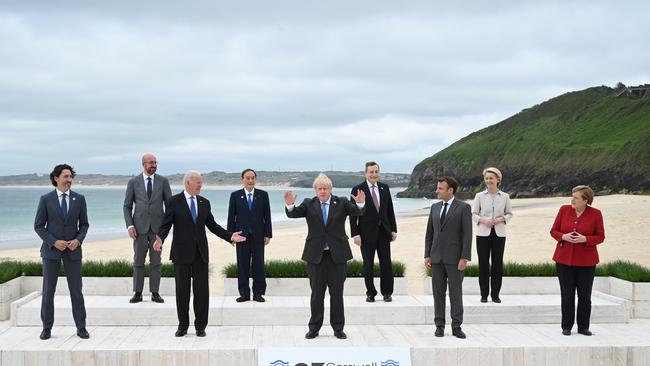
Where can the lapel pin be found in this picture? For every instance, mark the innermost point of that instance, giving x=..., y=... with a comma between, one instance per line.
x=242, y=197
x=74, y=198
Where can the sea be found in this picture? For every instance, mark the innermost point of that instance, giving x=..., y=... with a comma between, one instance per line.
x=105, y=215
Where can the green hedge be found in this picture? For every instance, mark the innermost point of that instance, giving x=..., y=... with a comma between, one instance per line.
x=114, y=268
x=624, y=270
x=298, y=269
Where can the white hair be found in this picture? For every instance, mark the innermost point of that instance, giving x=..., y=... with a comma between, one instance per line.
x=322, y=179
x=190, y=175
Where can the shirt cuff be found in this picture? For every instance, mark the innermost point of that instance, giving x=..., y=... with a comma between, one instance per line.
x=289, y=207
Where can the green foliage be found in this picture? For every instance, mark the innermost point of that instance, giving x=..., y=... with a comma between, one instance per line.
x=114, y=268
x=298, y=269
x=624, y=270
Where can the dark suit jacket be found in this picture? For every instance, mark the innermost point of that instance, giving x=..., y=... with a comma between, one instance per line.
x=50, y=225
x=188, y=236
x=148, y=213
x=253, y=223
x=451, y=241
x=368, y=224
x=333, y=233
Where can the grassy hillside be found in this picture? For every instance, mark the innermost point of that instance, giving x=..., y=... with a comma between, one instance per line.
x=584, y=137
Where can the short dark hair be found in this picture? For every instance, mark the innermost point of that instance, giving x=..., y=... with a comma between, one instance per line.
x=248, y=170
x=56, y=172
x=370, y=163
x=451, y=182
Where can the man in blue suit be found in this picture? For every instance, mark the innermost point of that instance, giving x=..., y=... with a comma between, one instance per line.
x=62, y=223
x=249, y=211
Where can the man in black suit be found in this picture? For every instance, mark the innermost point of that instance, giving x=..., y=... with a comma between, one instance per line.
x=190, y=214
x=249, y=211
x=447, y=249
x=374, y=231
x=62, y=223
x=326, y=249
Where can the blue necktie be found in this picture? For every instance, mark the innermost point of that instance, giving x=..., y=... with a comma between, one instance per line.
x=323, y=207
x=250, y=200
x=64, y=206
x=193, y=209
x=149, y=187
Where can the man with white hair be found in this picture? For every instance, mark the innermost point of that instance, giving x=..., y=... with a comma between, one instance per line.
x=326, y=249
x=190, y=214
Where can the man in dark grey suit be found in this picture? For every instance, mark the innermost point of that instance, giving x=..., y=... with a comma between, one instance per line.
x=62, y=223
x=149, y=192
x=326, y=249
x=447, y=249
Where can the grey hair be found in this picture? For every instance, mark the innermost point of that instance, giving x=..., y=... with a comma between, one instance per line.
x=188, y=176
x=322, y=179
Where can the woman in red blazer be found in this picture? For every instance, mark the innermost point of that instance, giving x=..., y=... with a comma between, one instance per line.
x=578, y=228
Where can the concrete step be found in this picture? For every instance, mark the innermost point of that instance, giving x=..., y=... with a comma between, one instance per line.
x=486, y=345
x=294, y=310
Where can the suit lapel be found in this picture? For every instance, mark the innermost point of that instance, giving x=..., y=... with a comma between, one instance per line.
x=450, y=211
x=436, y=215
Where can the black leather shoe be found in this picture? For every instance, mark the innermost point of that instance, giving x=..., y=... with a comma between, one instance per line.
x=243, y=298
x=181, y=332
x=340, y=334
x=311, y=334
x=388, y=298
x=566, y=332
x=155, y=297
x=458, y=333
x=200, y=333
x=258, y=298
x=83, y=333
x=497, y=300
x=440, y=332
x=586, y=332
x=483, y=299
x=46, y=334
x=137, y=297
x=370, y=298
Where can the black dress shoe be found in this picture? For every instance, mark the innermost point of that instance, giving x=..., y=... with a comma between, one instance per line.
x=311, y=334
x=483, y=299
x=83, y=333
x=200, y=333
x=46, y=334
x=340, y=334
x=155, y=297
x=181, y=332
x=586, y=332
x=243, y=298
x=258, y=298
x=388, y=298
x=440, y=332
x=566, y=332
x=496, y=299
x=458, y=333
x=370, y=298
x=137, y=297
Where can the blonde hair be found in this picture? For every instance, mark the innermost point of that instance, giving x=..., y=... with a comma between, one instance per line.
x=496, y=172
x=322, y=179
x=586, y=192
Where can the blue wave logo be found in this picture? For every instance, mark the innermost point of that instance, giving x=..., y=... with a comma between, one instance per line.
x=279, y=363
x=390, y=363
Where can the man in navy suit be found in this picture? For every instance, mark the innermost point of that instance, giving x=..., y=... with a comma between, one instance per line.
x=62, y=223
x=374, y=231
x=326, y=249
x=249, y=211
x=190, y=215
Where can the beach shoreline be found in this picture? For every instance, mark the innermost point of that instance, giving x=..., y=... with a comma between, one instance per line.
x=528, y=239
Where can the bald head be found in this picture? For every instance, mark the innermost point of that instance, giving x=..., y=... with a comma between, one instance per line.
x=149, y=164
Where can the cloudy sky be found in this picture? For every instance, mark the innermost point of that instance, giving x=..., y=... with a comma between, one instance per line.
x=290, y=85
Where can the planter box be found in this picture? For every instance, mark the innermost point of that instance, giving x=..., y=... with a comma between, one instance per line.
x=638, y=293
x=9, y=292
x=300, y=286
x=106, y=286
x=524, y=285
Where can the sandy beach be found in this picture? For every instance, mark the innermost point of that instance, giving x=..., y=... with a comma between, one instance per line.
x=528, y=240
